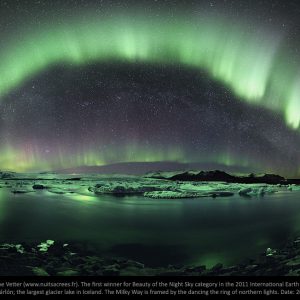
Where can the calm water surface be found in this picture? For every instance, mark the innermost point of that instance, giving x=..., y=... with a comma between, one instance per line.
x=157, y=232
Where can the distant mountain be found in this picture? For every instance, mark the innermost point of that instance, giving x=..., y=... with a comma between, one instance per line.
x=223, y=176
x=204, y=176
x=140, y=168
x=132, y=168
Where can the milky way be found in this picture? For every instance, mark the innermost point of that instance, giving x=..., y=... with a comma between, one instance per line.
x=93, y=85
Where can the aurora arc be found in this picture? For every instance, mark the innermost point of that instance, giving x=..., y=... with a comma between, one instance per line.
x=30, y=159
x=250, y=60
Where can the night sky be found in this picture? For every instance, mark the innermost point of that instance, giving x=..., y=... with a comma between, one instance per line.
x=90, y=83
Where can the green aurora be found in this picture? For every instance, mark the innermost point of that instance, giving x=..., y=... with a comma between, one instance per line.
x=23, y=160
x=251, y=60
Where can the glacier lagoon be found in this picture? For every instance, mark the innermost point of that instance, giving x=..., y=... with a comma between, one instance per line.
x=157, y=232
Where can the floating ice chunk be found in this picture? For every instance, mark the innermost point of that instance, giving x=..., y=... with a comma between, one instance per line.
x=39, y=271
x=257, y=190
x=186, y=194
x=44, y=246
x=261, y=191
x=270, y=252
x=20, y=248
x=245, y=191
x=170, y=195
x=117, y=187
x=294, y=187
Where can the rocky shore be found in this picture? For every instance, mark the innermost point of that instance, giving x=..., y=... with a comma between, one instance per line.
x=52, y=258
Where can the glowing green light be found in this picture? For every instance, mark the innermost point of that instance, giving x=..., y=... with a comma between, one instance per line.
x=22, y=160
x=249, y=59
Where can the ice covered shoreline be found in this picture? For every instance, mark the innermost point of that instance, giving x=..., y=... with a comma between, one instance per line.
x=149, y=187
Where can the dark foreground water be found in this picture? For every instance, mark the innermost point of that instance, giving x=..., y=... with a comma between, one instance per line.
x=157, y=232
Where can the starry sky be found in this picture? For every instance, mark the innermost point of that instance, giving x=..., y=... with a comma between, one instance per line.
x=90, y=83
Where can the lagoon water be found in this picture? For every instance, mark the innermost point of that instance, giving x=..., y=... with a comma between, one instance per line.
x=156, y=232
